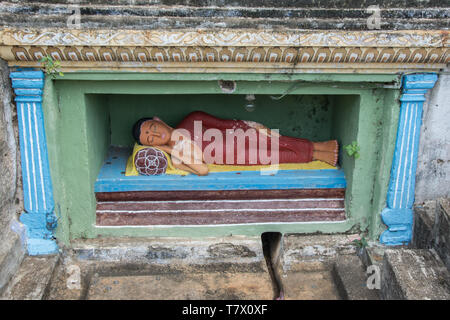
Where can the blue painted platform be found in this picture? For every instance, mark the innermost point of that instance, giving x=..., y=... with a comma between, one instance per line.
x=112, y=178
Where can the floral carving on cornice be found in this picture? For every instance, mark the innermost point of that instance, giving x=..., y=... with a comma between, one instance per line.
x=249, y=38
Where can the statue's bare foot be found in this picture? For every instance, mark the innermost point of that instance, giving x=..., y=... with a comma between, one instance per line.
x=328, y=157
x=327, y=146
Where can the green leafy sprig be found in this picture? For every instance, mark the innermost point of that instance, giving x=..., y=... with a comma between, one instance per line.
x=51, y=67
x=352, y=149
x=360, y=243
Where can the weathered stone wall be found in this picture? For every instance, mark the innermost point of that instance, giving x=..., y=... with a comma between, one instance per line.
x=433, y=166
x=8, y=150
x=262, y=14
x=11, y=231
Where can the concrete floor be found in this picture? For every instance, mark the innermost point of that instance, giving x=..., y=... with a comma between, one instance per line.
x=231, y=268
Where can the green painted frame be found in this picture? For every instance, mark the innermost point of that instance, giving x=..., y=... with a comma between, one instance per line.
x=367, y=176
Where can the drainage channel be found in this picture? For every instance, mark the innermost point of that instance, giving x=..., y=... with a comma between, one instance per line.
x=271, y=245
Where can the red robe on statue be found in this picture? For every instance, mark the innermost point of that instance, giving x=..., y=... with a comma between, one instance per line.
x=291, y=150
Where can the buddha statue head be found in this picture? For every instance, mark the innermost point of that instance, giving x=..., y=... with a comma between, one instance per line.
x=151, y=132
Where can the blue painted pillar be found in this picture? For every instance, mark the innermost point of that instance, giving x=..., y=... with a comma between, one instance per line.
x=398, y=215
x=38, y=217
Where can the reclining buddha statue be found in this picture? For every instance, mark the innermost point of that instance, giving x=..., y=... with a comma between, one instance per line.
x=201, y=139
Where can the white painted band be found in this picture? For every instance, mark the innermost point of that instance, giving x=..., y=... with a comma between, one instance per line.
x=228, y=201
x=219, y=210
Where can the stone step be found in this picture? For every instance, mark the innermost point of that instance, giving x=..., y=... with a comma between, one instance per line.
x=322, y=15
x=340, y=4
x=349, y=274
x=432, y=228
x=100, y=280
x=414, y=274
x=216, y=12
x=305, y=265
x=31, y=280
x=423, y=230
x=309, y=280
x=184, y=284
x=175, y=268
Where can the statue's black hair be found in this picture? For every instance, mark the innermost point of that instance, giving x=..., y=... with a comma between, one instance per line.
x=137, y=128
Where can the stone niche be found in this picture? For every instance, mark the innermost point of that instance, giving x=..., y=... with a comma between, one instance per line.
x=88, y=127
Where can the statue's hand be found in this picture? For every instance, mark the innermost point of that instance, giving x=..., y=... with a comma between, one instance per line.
x=273, y=133
x=255, y=125
x=262, y=129
x=165, y=149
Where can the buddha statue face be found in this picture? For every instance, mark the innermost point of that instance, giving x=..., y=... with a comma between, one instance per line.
x=154, y=133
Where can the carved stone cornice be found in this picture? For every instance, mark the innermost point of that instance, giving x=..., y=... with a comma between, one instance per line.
x=227, y=38
x=102, y=49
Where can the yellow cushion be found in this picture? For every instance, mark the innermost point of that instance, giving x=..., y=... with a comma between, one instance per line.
x=313, y=165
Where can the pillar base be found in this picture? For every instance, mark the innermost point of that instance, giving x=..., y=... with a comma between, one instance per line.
x=39, y=240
